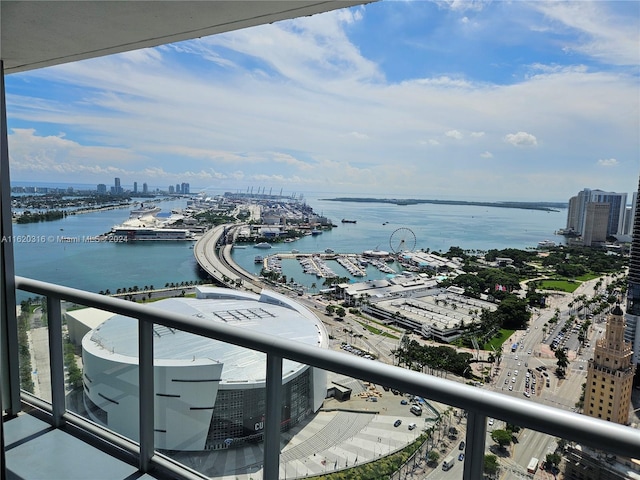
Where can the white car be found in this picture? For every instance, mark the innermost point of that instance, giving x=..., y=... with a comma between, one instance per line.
x=491, y=421
x=510, y=388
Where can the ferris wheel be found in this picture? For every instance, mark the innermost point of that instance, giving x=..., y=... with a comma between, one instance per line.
x=402, y=239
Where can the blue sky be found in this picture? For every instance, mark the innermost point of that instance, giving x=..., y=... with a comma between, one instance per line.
x=488, y=100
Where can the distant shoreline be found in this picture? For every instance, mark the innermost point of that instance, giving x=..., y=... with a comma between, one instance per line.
x=542, y=206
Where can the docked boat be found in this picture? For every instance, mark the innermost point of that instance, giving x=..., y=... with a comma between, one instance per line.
x=546, y=244
x=258, y=259
x=344, y=220
x=315, y=231
x=263, y=245
x=329, y=250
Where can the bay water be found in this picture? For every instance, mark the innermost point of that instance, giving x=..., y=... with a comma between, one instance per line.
x=41, y=251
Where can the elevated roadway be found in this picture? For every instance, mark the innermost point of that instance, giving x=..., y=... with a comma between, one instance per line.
x=217, y=261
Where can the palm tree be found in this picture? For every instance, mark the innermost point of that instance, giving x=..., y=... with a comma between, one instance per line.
x=562, y=363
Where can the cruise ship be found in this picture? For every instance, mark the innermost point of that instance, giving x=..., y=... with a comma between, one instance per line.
x=132, y=234
x=143, y=225
x=144, y=210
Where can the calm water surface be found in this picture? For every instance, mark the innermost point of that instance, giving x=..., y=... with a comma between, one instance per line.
x=100, y=266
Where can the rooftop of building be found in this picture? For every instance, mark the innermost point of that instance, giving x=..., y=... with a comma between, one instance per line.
x=268, y=314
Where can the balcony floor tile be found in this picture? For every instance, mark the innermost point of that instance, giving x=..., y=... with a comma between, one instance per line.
x=35, y=450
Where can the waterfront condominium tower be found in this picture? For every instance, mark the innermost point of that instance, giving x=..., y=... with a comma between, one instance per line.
x=577, y=215
x=607, y=393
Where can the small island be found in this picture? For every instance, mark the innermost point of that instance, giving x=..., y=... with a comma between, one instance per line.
x=543, y=206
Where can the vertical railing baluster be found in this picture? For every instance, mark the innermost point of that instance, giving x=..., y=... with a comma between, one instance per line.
x=475, y=443
x=273, y=417
x=56, y=360
x=146, y=405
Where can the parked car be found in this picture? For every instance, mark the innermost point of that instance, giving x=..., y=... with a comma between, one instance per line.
x=397, y=423
x=461, y=446
x=412, y=426
x=461, y=457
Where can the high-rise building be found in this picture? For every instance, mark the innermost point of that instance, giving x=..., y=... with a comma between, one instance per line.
x=596, y=220
x=632, y=332
x=102, y=188
x=145, y=188
x=171, y=190
x=185, y=188
x=629, y=215
x=618, y=203
x=577, y=209
x=577, y=213
x=135, y=187
x=117, y=188
x=610, y=373
x=178, y=188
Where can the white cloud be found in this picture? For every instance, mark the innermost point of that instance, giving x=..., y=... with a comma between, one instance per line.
x=357, y=135
x=607, y=36
x=464, y=5
x=608, y=162
x=521, y=139
x=291, y=102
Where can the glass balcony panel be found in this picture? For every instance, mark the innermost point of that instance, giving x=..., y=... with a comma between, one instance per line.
x=33, y=340
x=377, y=425
x=210, y=404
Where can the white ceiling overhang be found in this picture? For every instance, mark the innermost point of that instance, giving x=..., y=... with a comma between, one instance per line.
x=36, y=34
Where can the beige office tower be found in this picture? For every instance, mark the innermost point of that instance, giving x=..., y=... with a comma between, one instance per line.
x=610, y=374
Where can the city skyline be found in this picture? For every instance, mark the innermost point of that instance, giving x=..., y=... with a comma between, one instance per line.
x=524, y=100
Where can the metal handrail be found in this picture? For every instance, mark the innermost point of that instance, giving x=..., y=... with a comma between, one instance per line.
x=478, y=403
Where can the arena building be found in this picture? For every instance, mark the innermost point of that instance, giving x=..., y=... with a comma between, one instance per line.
x=209, y=395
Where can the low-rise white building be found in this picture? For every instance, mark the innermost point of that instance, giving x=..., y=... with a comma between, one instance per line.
x=415, y=302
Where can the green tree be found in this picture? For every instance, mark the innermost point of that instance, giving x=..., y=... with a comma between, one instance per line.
x=501, y=437
x=513, y=312
x=433, y=456
x=562, y=363
x=491, y=465
x=510, y=427
x=553, y=459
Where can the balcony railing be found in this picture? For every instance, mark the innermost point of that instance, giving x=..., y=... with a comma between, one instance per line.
x=479, y=404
